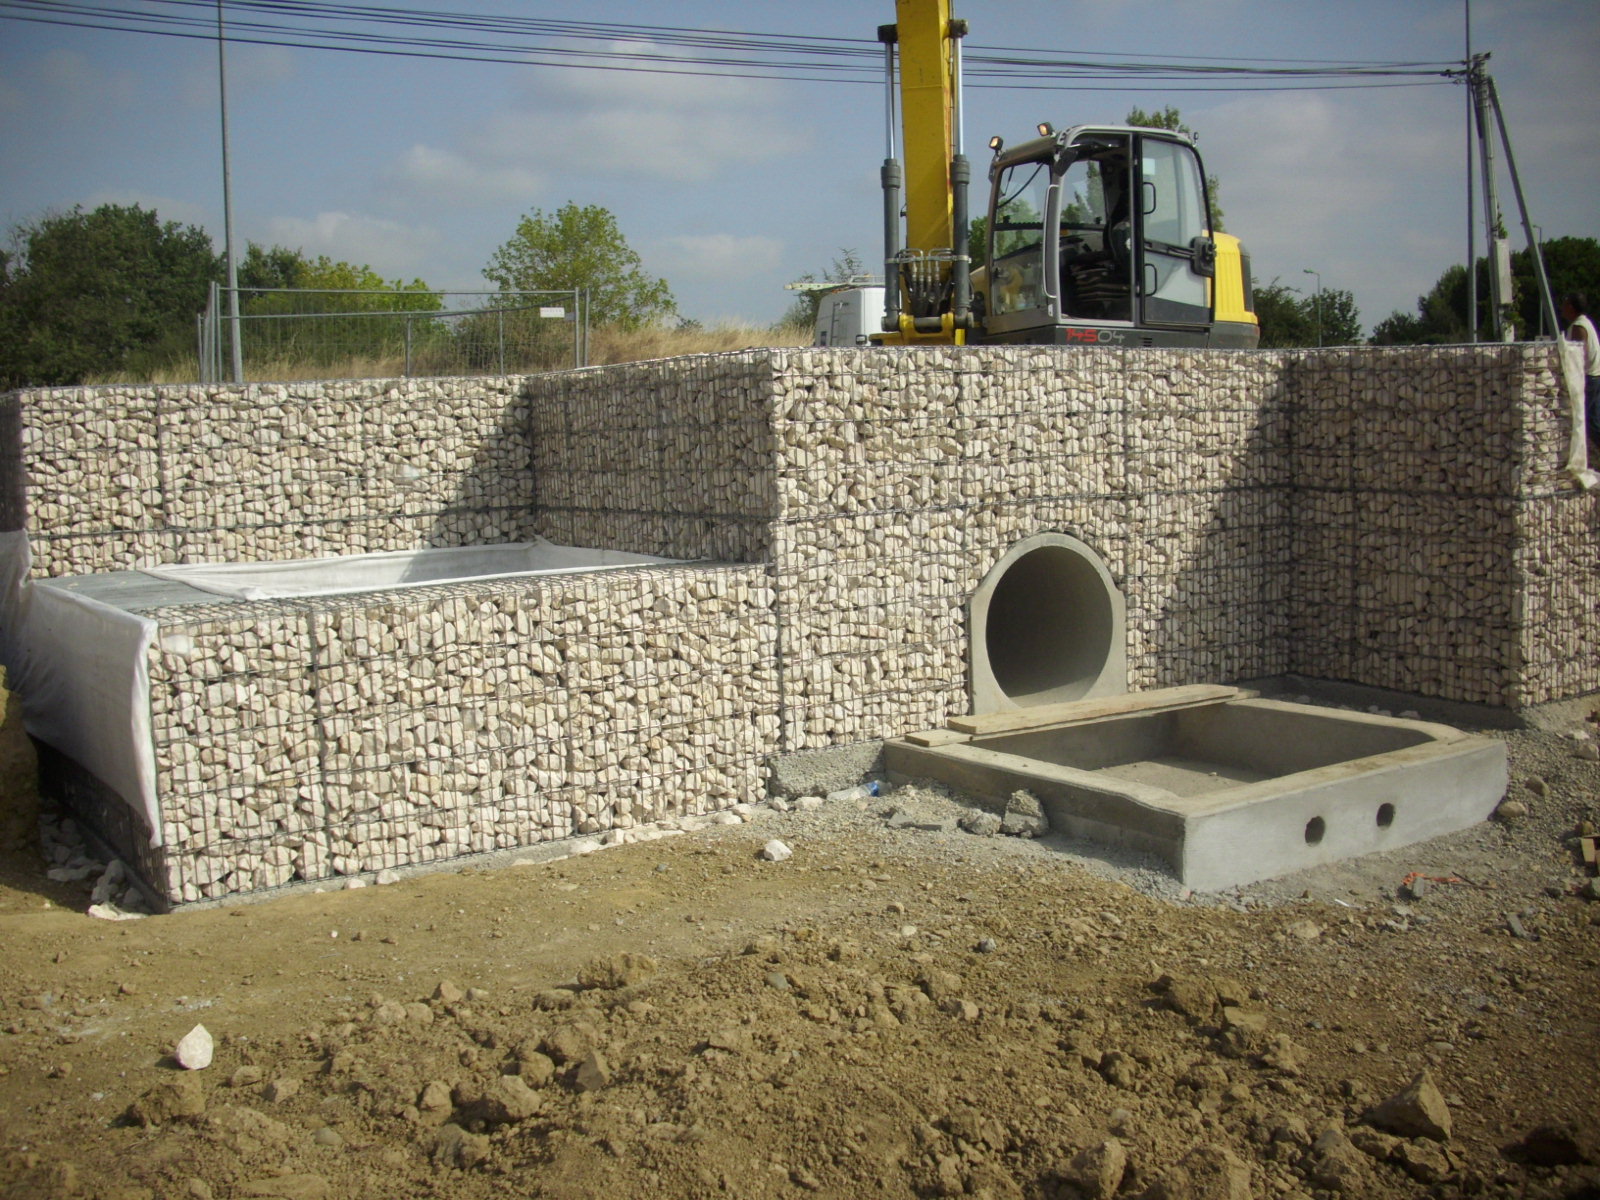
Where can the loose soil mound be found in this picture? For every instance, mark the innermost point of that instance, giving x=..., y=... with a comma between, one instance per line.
x=900, y=1009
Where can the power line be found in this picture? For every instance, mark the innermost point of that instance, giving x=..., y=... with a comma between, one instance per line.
x=671, y=50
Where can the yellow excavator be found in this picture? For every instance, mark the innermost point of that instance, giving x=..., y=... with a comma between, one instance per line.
x=1094, y=235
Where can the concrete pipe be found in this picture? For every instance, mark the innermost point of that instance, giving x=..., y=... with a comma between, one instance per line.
x=1046, y=625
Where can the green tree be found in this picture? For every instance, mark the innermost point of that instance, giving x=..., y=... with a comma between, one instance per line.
x=111, y=290
x=802, y=314
x=322, y=310
x=280, y=268
x=1291, y=319
x=274, y=267
x=1572, y=264
x=582, y=247
x=1441, y=316
x=1171, y=118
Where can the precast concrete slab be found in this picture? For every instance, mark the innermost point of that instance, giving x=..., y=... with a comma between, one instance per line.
x=1226, y=787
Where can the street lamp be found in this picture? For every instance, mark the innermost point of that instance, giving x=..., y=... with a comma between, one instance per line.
x=1318, y=274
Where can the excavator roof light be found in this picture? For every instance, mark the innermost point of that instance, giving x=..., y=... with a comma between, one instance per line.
x=997, y=143
x=1045, y=129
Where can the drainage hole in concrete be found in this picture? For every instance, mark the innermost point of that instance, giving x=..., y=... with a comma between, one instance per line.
x=1385, y=815
x=1315, y=828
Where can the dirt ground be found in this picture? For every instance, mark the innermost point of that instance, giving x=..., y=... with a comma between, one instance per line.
x=900, y=1009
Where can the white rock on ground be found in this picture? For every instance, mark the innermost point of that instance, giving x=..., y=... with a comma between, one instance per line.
x=776, y=851
x=194, y=1049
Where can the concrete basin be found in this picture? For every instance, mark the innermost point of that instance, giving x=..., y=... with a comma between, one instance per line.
x=1226, y=787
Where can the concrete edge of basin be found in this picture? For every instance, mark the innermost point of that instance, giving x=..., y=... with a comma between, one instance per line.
x=1077, y=803
x=1076, y=712
x=1399, y=799
x=1447, y=782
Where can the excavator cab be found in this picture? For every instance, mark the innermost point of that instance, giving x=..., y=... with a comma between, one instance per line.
x=1103, y=235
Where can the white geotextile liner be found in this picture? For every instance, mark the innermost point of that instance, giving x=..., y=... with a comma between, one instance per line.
x=1578, y=465
x=83, y=672
x=400, y=568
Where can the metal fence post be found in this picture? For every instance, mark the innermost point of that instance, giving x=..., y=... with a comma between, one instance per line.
x=408, y=345
x=500, y=315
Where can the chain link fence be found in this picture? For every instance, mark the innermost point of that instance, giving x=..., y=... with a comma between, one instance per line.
x=299, y=333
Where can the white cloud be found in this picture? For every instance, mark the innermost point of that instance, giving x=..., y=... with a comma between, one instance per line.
x=637, y=89
x=431, y=170
x=68, y=83
x=676, y=128
x=720, y=256
x=1314, y=161
x=1358, y=187
x=251, y=70
x=390, y=248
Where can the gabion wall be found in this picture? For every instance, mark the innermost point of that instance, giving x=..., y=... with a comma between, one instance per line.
x=676, y=454
x=897, y=480
x=303, y=739
x=904, y=479
x=1440, y=547
x=109, y=478
x=1397, y=518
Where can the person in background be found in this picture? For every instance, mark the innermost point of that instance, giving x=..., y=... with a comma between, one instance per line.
x=1575, y=315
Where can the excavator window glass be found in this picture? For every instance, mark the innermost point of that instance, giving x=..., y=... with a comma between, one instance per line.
x=1096, y=270
x=1016, y=262
x=1172, y=221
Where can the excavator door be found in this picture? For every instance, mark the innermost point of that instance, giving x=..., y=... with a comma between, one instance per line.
x=1177, y=257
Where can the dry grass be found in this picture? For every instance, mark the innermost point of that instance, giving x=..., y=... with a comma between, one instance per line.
x=606, y=345
x=618, y=345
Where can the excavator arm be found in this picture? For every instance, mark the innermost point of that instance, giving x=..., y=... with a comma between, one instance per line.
x=925, y=267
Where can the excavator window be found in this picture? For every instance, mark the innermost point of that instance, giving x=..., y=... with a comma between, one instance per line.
x=1096, y=243
x=1016, y=261
x=1175, y=236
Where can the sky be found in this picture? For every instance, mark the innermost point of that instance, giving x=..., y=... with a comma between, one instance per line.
x=730, y=188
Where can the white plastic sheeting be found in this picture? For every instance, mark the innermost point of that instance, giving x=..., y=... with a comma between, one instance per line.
x=1578, y=465
x=82, y=669
x=402, y=568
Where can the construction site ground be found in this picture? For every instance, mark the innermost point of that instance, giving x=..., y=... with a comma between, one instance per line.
x=900, y=1009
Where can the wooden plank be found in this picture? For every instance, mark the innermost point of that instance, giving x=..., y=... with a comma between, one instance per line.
x=1077, y=711
x=935, y=737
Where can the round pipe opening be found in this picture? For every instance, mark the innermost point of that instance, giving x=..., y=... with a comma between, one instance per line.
x=1048, y=627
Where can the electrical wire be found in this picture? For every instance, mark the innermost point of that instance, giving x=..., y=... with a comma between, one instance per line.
x=673, y=50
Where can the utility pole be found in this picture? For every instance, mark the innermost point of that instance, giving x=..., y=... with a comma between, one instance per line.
x=1499, y=262
x=237, y=356
x=1472, y=219
x=1318, y=274
x=1546, y=300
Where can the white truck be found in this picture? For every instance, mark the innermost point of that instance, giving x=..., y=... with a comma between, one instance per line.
x=848, y=314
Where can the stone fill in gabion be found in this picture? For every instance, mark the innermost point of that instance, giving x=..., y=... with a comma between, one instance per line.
x=120, y=477
x=1393, y=517
x=332, y=736
x=1397, y=517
